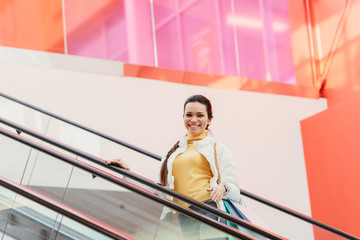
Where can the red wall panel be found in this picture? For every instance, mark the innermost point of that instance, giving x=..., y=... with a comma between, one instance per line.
x=36, y=25
x=331, y=142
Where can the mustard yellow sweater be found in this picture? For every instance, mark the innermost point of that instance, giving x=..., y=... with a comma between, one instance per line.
x=192, y=172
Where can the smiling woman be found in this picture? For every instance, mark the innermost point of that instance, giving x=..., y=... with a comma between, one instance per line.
x=190, y=168
x=192, y=164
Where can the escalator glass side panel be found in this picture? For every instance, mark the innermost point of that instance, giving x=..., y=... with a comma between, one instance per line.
x=74, y=136
x=40, y=162
x=131, y=213
x=22, y=218
x=23, y=115
x=14, y=158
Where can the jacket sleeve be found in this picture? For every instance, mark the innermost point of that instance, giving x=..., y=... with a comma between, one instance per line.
x=227, y=170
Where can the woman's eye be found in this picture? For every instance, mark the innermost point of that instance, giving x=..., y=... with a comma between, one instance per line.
x=188, y=115
x=200, y=115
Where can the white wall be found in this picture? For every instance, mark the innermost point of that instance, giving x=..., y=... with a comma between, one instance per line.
x=261, y=130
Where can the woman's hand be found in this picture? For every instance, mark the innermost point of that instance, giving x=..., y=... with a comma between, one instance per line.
x=217, y=192
x=119, y=163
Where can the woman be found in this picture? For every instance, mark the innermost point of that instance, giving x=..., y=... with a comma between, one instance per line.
x=190, y=168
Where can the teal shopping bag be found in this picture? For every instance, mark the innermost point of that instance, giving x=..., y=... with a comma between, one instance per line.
x=233, y=210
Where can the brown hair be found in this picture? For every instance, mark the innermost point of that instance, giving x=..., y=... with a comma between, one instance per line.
x=194, y=98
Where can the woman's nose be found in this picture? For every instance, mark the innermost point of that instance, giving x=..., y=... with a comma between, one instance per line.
x=193, y=119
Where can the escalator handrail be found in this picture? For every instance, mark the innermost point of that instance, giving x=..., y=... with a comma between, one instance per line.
x=62, y=209
x=150, y=183
x=131, y=175
x=298, y=215
x=123, y=143
x=134, y=188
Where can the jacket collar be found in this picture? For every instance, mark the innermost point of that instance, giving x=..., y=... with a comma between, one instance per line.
x=202, y=143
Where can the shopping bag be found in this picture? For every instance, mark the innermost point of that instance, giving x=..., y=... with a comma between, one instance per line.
x=249, y=215
x=239, y=211
x=233, y=210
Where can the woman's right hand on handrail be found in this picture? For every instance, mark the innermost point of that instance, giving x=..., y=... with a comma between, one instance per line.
x=118, y=162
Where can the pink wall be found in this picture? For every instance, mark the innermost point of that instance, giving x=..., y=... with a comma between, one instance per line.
x=112, y=29
x=250, y=39
x=205, y=36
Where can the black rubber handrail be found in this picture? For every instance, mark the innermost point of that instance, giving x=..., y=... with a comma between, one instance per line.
x=62, y=209
x=133, y=176
x=299, y=215
x=154, y=156
x=132, y=147
x=118, y=181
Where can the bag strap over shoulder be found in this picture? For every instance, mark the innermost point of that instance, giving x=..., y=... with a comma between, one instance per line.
x=241, y=201
x=216, y=163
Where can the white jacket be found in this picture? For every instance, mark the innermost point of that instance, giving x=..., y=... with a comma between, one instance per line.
x=226, y=165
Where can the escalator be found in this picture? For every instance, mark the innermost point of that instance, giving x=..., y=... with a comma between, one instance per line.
x=120, y=204
x=125, y=206
x=26, y=214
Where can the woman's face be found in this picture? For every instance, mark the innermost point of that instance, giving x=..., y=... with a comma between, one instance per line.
x=195, y=117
